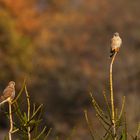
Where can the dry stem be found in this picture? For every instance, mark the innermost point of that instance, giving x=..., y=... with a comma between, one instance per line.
x=11, y=120
x=112, y=96
x=28, y=103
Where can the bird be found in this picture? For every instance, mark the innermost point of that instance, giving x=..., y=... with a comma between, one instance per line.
x=8, y=93
x=116, y=43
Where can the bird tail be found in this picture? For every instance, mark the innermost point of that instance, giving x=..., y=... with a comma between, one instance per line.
x=112, y=52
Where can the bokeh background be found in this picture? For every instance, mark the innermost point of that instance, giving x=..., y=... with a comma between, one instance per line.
x=62, y=48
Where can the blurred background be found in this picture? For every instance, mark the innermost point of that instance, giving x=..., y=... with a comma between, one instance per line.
x=62, y=48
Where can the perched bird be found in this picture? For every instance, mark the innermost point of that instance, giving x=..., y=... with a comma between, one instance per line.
x=116, y=43
x=8, y=93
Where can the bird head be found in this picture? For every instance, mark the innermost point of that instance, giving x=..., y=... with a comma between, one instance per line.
x=11, y=84
x=116, y=34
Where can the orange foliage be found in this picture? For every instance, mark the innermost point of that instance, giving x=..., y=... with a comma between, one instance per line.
x=27, y=17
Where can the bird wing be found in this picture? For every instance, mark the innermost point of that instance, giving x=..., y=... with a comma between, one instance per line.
x=7, y=92
x=113, y=43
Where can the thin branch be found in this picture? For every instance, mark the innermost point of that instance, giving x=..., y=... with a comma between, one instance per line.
x=41, y=133
x=23, y=86
x=98, y=108
x=14, y=131
x=100, y=114
x=46, y=137
x=107, y=104
x=40, y=106
x=107, y=129
x=89, y=124
x=122, y=108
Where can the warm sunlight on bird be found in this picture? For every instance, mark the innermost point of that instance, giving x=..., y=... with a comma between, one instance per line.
x=8, y=93
x=116, y=43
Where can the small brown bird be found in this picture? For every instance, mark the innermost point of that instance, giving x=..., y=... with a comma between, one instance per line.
x=8, y=93
x=116, y=43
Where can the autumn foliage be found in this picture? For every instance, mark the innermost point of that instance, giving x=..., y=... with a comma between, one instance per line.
x=63, y=48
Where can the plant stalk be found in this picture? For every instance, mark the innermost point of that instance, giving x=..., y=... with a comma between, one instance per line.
x=29, y=106
x=112, y=96
x=11, y=120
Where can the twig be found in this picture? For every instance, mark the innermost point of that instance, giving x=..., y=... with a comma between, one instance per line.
x=46, y=137
x=107, y=104
x=89, y=124
x=23, y=86
x=41, y=133
x=122, y=108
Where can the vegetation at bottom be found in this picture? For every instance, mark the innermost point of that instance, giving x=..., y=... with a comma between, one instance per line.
x=27, y=124
x=112, y=119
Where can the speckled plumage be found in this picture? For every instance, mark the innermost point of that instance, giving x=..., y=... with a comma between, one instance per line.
x=8, y=93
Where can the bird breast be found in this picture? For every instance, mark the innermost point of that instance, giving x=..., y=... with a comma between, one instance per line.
x=116, y=43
